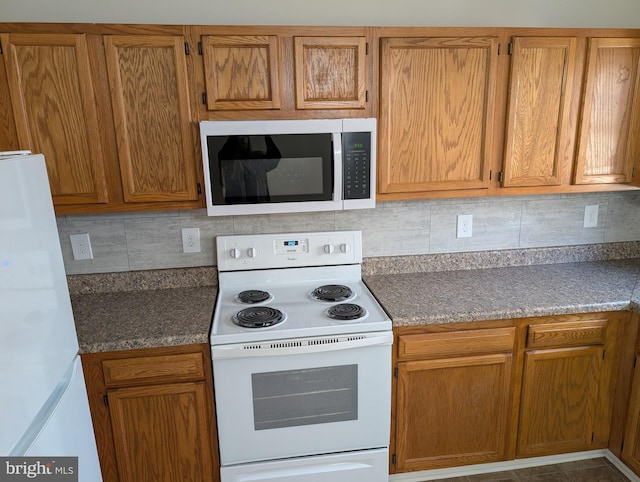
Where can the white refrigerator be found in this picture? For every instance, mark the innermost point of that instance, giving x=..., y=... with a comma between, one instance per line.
x=44, y=409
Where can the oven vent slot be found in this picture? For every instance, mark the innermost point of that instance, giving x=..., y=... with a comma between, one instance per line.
x=302, y=343
x=286, y=344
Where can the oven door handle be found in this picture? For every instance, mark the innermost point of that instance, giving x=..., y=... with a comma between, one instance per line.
x=299, y=346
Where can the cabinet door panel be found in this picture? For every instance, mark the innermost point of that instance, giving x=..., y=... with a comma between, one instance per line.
x=54, y=106
x=559, y=400
x=538, y=146
x=437, y=99
x=610, y=120
x=151, y=107
x=330, y=72
x=154, y=429
x=452, y=411
x=241, y=72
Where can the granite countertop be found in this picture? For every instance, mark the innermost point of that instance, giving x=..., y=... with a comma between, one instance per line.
x=513, y=292
x=177, y=315
x=143, y=319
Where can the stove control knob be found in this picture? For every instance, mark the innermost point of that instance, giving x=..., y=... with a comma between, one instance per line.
x=345, y=247
x=252, y=252
x=234, y=253
x=328, y=248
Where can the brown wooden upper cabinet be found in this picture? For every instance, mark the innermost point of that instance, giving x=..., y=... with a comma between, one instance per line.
x=53, y=100
x=330, y=72
x=112, y=115
x=609, y=136
x=437, y=100
x=289, y=72
x=241, y=72
x=539, y=135
x=151, y=108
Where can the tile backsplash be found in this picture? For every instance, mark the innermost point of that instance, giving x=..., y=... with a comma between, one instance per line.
x=145, y=241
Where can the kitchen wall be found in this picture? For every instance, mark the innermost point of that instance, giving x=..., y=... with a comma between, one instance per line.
x=511, y=13
x=142, y=241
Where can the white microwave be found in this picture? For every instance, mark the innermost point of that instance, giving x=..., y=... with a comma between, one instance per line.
x=284, y=166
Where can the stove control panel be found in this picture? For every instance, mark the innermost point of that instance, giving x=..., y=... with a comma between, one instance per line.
x=289, y=250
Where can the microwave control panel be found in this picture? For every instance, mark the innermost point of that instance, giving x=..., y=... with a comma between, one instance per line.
x=356, y=165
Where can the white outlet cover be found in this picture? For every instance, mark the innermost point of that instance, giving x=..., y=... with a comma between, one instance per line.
x=590, y=216
x=190, y=240
x=465, y=226
x=81, y=246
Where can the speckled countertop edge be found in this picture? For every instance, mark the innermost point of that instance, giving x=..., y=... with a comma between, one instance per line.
x=144, y=309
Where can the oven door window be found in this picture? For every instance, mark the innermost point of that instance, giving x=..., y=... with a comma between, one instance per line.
x=270, y=169
x=305, y=397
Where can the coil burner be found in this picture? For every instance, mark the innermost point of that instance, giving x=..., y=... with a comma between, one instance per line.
x=258, y=317
x=251, y=297
x=332, y=293
x=346, y=312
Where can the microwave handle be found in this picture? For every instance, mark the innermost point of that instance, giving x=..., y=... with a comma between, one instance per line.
x=300, y=346
x=336, y=138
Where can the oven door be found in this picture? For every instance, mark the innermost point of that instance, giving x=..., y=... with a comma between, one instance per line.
x=302, y=397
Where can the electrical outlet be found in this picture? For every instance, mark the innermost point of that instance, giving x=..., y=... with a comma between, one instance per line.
x=190, y=240
x=81, y=246
x=590, y=216
x=465, y=226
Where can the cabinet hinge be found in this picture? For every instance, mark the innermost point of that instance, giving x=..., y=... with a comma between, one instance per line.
x=105, y=399
x=501, y=176
x=186, y=48
x=510, y=48
x=199, y=188
x=395, y=372
x=200, y=48
x=393, y=459
x=204, y=98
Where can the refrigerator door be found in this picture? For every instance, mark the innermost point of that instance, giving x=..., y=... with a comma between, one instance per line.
x=37, y=333
x=63, y=427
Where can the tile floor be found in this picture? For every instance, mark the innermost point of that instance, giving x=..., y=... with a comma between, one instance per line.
x=592, y=470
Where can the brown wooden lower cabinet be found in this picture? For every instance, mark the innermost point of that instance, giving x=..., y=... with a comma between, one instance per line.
x=481, y=392
x=631, y=448
x=152, y=413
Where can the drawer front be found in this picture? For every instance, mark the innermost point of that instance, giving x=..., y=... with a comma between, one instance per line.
x=456, y=343
x=569, y=333
x=153, y=369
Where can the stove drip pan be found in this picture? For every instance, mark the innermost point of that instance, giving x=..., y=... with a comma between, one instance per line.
x=258, y=317
x=332, y=293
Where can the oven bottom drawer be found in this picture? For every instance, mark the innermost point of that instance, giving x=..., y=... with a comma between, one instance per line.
x=358, y=466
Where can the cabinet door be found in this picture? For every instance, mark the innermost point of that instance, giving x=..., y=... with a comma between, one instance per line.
x=241, y=72
x=330, y=72
x=437, y=99
x=559, y=400
x=53, y=102
x=610, y=120
x=539, y=148
x=161, y=433
x=631, y=447
x=452, y=411
x=150, y=98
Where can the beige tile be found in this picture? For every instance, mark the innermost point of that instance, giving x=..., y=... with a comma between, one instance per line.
x=108, y=244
